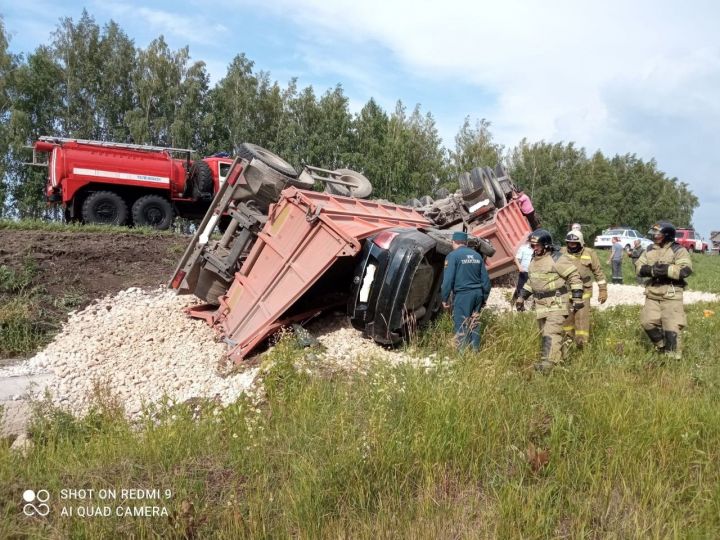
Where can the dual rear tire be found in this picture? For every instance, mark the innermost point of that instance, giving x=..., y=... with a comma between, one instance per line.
x=109, y=208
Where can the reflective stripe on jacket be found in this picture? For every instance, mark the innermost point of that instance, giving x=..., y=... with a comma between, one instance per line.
x=550, y=272
x=588, y=265
x=679, y=267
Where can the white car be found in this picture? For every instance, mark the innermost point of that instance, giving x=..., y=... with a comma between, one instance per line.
x=627, y=238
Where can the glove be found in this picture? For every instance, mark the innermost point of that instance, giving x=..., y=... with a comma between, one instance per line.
x=645, y=271
x=578, y=304
x=602, y=297
x=660, y=270
x=520, y=304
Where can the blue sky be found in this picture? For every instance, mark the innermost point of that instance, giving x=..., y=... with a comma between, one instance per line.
x=640, y=77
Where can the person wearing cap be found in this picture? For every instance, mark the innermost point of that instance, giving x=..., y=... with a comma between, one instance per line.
x=665, y=264
x=466, y=278
x=577, y=325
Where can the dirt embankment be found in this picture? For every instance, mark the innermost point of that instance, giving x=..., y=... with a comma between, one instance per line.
x=91, y=264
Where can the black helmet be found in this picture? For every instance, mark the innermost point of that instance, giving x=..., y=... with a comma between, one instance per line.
x=665, y=228
x=542, y=237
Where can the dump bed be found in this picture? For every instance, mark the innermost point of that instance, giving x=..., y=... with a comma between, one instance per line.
x=506, y=231
x=305, y=235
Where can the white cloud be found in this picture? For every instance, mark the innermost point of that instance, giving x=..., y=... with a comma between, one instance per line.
x=183, y=23
x=561, y=70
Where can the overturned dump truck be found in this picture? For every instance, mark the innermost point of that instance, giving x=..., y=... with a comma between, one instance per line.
x=271, y=252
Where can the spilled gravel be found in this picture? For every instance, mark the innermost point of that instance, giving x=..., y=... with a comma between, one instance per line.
x=141, y=347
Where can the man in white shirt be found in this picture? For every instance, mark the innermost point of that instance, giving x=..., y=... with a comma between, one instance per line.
x=522, y=258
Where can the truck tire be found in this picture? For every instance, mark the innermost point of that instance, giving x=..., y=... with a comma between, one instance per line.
x=337, y=189
x=482, y=187
x=200, y=181
x=251, y=151
x=210, y=287
x=497, y=189
x=361, y=188
x=104, y=207
x=152, y=211
x=466, y=185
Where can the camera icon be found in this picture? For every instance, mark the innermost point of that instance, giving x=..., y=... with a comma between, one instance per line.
x=42, y=496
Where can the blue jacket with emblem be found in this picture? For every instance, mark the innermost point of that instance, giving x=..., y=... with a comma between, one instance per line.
x=464, y=270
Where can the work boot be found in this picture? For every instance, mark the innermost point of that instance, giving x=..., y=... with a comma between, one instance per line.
x=657, y=338
x=544, y=366
x=671, y=345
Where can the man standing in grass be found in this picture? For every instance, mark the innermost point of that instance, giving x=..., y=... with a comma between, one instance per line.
x=615, y=260
x=588, y=265
x=466, y=277
x=552, y=279
x=634, y=255
x=666, y=264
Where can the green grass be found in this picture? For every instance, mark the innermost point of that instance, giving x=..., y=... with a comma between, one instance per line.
x=24, y=323
x=616, y=444
x=705, y=276
x=58, y=226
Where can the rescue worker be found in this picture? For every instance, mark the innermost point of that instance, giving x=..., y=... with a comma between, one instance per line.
x=666, y=264
x=586, y=261
x=466, y=277
x=552, y=279
x=634, y=255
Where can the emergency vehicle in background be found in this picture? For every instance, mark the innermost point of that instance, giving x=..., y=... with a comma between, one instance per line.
x=129, y=184
x=688, y=239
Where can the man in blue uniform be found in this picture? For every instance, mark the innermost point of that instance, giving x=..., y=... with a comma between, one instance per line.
x=467, y=278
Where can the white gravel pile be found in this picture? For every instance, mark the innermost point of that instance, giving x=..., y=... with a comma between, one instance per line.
x=140, y=346
x=346, y=347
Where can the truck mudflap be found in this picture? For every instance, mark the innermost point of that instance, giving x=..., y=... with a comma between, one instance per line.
x=306, y=233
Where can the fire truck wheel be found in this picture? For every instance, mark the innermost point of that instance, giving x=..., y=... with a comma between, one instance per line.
x=251, y=151
x=152, y=211
x=105, y=207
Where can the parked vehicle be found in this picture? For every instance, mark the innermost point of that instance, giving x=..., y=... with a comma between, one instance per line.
x=627, y=238
x=121, y=184
x=690, y=241
x=288, y=253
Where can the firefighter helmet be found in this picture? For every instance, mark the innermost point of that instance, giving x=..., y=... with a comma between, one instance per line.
x=664, y=228
x=541, y=237
x=575, y=241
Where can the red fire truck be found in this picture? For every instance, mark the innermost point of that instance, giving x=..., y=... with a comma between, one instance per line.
x=122, y=184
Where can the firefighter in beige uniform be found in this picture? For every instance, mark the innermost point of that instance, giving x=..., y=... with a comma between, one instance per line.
x=552, y=278
x=666, y=264
x=588, y=265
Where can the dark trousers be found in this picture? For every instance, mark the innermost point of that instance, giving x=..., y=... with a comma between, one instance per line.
x=617, y=276
x=522, y=279
x=532, y=220
x=466, y=306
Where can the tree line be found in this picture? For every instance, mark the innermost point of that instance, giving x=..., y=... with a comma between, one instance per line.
x=92, y=82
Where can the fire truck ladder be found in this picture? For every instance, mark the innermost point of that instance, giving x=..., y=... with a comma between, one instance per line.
x=129, y=146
